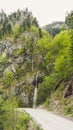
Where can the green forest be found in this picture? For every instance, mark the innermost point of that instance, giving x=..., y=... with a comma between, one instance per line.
x=34, y=57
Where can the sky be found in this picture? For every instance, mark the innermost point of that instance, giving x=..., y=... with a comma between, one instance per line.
x=46, y=11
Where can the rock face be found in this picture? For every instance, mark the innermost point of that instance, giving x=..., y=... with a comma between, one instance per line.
x=16, y=73
x=19, y=54
x=39, y=80
x=69, y=89
x=7, y=61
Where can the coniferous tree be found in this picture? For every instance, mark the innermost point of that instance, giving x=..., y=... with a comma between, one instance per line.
x=35, y=22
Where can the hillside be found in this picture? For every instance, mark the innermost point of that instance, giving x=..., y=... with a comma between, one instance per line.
x=60, y=101
x=24, y=18
x=54, y=28
x=35, y=68
x=19, y=51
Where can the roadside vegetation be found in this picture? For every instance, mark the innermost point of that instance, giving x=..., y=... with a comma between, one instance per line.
x=31, y=57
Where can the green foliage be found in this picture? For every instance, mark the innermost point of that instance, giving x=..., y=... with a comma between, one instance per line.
x=35, y=22
x=23, y=121
x=62, y=65
x=8, y=78
x=40, y=33
x=16, y=23
x=54, y=28
x=63, y=60
x=15, y=30
x=3, y=59
x=9, y=28
x=10, y=118
x=71, y=51
x=26, y=23
x=46, y=88
x=69, y=20
x=47, y=102
x=57, y=62
x=34, y=30
x=19, y=72
x=43, y=43
x=68, y=109
x=58, y=57
x=1, y=112
x=51, y=56
x=50, y=82
x=18, y=52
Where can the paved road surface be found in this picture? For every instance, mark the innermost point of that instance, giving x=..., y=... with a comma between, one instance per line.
x=49, y=121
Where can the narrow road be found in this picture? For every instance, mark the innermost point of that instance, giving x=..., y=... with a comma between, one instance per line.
x=49, y=121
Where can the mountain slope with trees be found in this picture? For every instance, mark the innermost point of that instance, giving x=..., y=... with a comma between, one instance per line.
x=54, y=28
x=30, y=57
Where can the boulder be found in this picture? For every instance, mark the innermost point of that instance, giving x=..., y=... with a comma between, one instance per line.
x=68, y=90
